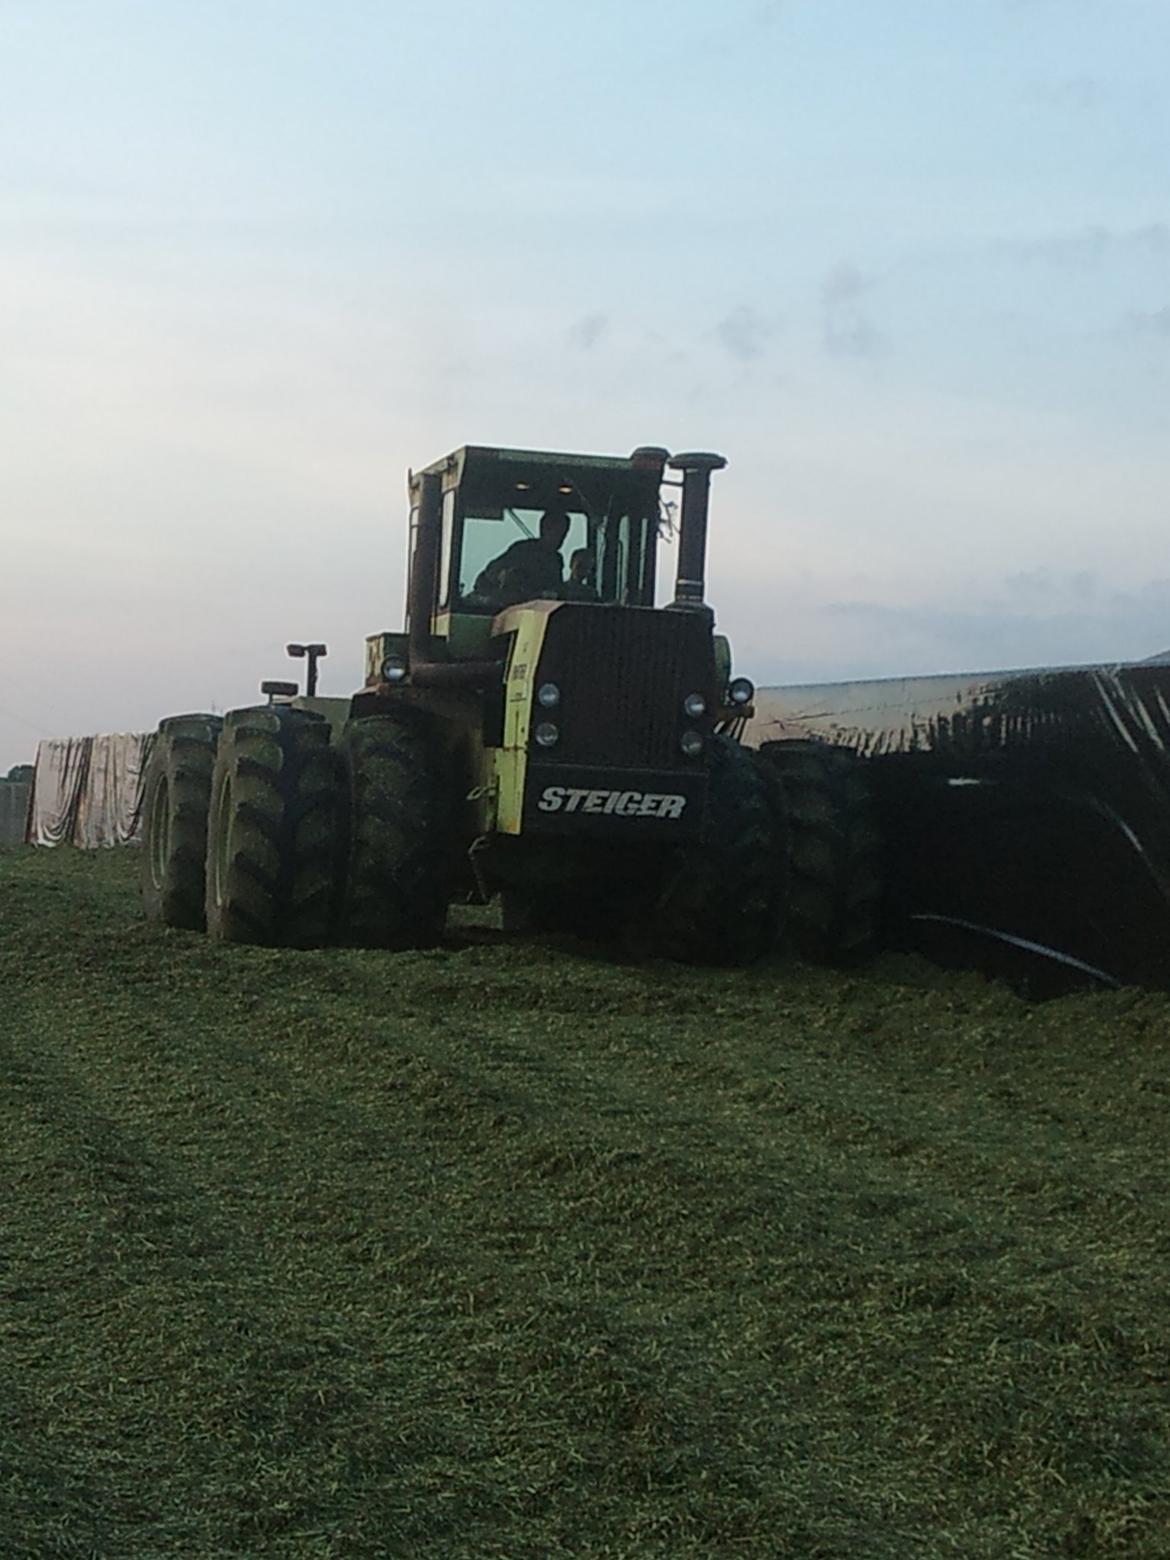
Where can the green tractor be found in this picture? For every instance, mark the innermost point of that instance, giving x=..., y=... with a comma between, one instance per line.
x=537, y=731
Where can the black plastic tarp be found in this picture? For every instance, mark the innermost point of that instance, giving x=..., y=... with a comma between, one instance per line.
x=1026, y=814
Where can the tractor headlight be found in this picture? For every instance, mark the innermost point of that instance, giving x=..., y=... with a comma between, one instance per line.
x=547, y=735
x=695, y=705
x=741, y=690
x=691, y=743
x=393, y=669
x=548, y=696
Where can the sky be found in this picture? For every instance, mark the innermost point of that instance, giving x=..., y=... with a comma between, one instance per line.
x=907, y=266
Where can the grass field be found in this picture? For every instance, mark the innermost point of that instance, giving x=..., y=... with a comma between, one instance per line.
x=502, y=1250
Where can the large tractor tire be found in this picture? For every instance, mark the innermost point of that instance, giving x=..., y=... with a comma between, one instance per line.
x=396, y=862
x=271, y=847
x=834, y=850
x=176, y=799
x=724, y=903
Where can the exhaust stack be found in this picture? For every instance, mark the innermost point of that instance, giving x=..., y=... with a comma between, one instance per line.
x=696, y=468
x=424, y=567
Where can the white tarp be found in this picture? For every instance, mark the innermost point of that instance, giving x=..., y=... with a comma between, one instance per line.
x=87, y=791
x=111, y=802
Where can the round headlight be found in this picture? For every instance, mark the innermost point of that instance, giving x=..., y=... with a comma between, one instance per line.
x=691, y=743
x=741, y=690
x=546, y=734
x=548, y=695
x=695, y=705
x=393, y=669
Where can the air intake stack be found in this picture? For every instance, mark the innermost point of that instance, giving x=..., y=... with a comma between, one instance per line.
x=696, y=468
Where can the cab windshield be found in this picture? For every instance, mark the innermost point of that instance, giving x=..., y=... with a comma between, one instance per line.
x=554, y=545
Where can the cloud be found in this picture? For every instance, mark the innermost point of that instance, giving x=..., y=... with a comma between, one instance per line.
x=1041, y=617
x=1044, y=585
x=726, y=34
x=847, y=330
x=844, y=284
x=1090, y=246
x=768, y=13
x=1152, y=322
x=1064, y=6
x=745, y=333
x=588, y=331
x=1079, y=95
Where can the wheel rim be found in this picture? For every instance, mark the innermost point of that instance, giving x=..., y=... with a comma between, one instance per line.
x=222, y=852
x=159, y=832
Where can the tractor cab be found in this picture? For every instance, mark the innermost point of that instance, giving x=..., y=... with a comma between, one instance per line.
x=491, y=529
x=495, y=503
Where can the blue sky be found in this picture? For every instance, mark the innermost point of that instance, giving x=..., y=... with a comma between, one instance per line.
x=907, y=266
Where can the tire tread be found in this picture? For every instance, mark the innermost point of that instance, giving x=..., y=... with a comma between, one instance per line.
x=395, y=884
x=278, y=887
x=834, y=850
x=182, y=756
x=723, y=904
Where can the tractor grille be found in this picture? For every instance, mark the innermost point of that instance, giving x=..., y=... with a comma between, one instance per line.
x=623, y=673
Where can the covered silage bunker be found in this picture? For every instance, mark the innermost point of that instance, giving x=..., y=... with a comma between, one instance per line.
x=1025, y=814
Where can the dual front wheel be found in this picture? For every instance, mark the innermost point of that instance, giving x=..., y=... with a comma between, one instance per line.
x=833, y=849
x=717, y=901
x=790, y=856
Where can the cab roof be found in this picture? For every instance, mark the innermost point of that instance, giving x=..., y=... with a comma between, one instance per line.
x=487, y=461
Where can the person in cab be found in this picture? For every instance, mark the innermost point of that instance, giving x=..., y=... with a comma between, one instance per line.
x=529, y=570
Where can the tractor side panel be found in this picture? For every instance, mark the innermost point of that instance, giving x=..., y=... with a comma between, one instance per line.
x=527, y=627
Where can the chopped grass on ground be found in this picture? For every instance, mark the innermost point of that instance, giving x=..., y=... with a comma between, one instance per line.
x=504, y=1250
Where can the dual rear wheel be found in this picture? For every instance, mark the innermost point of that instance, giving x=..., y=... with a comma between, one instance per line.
x=258, y=830
x=271, y=830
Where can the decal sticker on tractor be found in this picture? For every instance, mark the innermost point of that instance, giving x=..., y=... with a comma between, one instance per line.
x=626, y=804
x=636, y=803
